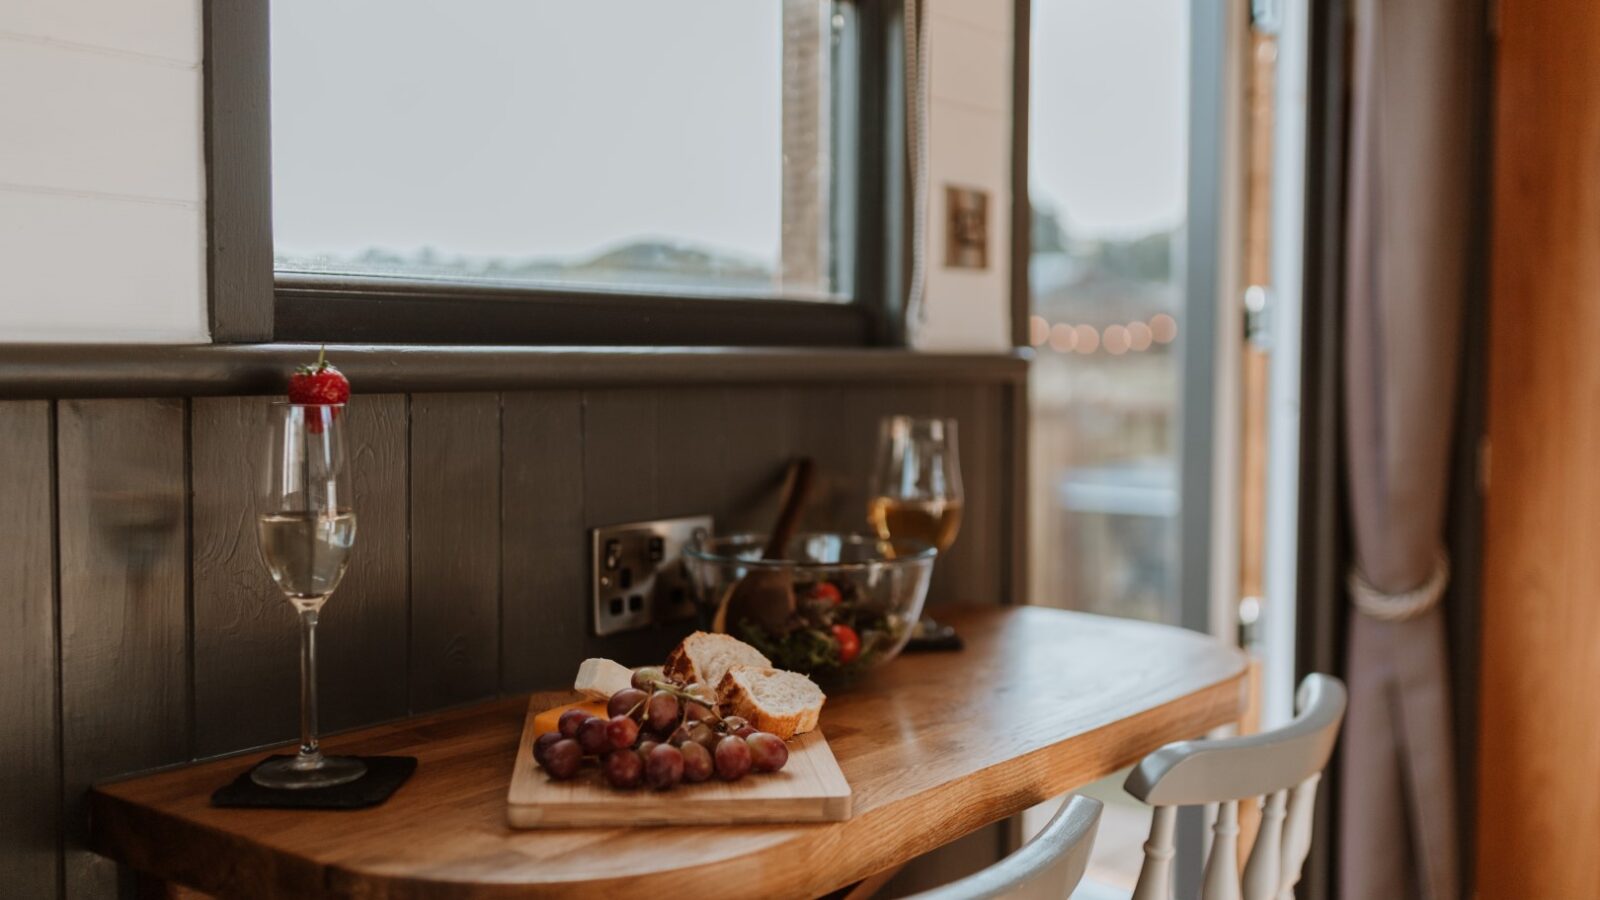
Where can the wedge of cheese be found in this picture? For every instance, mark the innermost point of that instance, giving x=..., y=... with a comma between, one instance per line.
x=600, y=678
x=550, y=719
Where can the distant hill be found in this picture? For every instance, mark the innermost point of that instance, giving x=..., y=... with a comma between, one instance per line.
x=642, y=262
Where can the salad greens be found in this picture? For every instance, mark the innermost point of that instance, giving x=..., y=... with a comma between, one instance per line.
x=835, y=628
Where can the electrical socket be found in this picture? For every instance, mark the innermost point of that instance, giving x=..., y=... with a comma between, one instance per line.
x=637, y=574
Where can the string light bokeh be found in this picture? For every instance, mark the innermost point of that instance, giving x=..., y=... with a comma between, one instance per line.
x=1134, y=337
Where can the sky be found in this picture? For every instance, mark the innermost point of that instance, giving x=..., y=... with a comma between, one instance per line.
x=1110, y=103
x=520, y=128
x=525, y=127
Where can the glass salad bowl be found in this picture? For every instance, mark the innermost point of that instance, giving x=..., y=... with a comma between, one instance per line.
x=836, y=604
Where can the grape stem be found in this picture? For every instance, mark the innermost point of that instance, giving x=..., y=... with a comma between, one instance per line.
x=682, y=694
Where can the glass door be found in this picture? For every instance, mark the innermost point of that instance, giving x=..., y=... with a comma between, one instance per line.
x=1137, y=177
x=1109, y=185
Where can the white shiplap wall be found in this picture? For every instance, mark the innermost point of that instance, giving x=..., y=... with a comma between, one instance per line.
x=102, y=216
x=969, y=145
x=102, y=178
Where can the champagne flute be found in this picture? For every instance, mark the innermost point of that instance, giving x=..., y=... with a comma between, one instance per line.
x=305, y=528
x=916, y=482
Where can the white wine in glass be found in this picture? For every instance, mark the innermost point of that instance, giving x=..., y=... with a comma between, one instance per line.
x=916, y=482
x=307, y=552
x=935, y=522
x=306, y=529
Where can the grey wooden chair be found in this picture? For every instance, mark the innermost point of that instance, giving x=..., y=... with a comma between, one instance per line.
x=1281, y=767
x=1045, y=868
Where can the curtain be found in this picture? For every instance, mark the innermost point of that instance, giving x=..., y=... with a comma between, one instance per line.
x=1406, y=237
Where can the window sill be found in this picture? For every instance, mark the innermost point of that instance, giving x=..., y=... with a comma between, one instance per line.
x=369, y=310
x=135, y=370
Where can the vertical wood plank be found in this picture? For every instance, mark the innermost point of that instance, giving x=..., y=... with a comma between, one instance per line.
x=30, y=808
x=622, y=473
x=246, y=643
x=245, y=639
x=1015, y=495
x=755, y=432
x=864, y=406
x=975, y=562
x=693, y=448
x=620, y=465
x=838, y=493
x=455, y=548
x=544, y=556
x=362, y=634
x=124, y=643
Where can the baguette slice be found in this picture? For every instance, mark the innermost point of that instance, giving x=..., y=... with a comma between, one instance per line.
x=784, y=703
x=705, y=658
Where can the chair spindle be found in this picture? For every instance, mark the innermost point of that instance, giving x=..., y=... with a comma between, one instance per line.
x=1262, y=874
x=1222, y=868
x=1297, y=835
x=1155, y=878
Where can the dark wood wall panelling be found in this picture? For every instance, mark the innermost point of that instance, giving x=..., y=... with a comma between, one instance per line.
x=138, y=627
x=455, y=548
x=123, y=539
x=31, y=778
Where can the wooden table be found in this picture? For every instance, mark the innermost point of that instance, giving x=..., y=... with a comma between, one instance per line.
x=934, y=745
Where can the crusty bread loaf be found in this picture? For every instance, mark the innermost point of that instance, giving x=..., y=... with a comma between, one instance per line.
x=705, y=658
x=784, y=703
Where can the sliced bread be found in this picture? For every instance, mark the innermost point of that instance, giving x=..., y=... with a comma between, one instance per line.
x=705, y=658
x=784, y=703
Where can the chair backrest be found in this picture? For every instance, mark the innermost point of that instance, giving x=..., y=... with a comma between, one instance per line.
x=1280, y=767
x=1045, y=868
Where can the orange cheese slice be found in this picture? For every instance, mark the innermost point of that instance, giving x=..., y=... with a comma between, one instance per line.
x=550, y=719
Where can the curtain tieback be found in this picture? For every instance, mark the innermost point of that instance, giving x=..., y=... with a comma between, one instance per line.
x=1404, y=605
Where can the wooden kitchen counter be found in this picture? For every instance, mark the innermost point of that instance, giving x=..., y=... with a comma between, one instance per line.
x=934, y=745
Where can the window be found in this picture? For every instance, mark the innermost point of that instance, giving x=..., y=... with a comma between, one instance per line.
x=1107, y=162
x=635, y=144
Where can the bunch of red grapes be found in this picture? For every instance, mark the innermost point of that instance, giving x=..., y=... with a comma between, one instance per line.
x=658, y=733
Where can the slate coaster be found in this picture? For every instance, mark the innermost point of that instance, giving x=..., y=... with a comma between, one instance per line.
x=933, y=637
x=384, y=776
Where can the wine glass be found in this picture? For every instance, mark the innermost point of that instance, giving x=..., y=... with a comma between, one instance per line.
x=916, y=481
x=306, y=527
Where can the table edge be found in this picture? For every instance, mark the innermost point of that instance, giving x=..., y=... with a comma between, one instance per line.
x=1215, y=704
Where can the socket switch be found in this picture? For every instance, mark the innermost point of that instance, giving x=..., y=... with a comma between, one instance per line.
x=637, y=574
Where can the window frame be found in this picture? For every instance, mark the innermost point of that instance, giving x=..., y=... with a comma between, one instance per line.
x=249, y=302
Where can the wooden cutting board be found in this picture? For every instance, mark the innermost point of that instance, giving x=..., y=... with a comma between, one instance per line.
x=810, y=788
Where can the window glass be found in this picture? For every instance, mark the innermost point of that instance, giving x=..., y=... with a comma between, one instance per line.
x=1108, y=158
x=644, y=145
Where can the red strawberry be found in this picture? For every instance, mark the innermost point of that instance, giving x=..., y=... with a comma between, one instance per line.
x=320, y=384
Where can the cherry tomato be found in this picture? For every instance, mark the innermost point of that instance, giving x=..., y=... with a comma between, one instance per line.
x=849, y=643
x=826, y=591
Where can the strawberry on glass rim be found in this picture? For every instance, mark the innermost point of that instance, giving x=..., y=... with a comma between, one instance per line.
x=319, y=384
